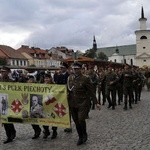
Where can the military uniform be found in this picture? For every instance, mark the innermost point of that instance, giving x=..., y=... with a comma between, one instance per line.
x=127, y=87
x=111, y=80
x=137, y=84
x=94, y=79
x=79, y=98
x=119, y=87
x=101, y=88
x=147, y=81
x=141, y=84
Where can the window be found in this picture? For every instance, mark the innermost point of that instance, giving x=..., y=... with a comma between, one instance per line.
x=17, y=63
x=124, y=61
x=144, y=60
x=24, y=63
x=131, y=62
x=144, y=47
x=115, y=60
x=20, y=62
x=13, y=62
x=143, y=37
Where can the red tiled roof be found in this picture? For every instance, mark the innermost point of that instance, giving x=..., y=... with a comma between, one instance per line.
x=33, y=50
x=10, y=52
x=3, y=55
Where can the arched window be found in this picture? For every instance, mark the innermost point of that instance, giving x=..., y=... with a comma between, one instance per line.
x=143, y=37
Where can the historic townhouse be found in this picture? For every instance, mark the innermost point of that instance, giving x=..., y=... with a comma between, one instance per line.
x=39, y=57
x=13, y=57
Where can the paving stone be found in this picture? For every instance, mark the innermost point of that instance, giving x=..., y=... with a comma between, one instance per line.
x=107, y=130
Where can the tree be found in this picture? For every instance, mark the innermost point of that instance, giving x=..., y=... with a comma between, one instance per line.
x=102, y=56
x=3, y=61
x=89, y=53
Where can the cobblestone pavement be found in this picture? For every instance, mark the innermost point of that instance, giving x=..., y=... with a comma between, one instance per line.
x=107, y=130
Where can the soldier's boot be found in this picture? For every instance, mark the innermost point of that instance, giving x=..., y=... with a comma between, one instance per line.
x=125, y=103
x=130, y=105
x=54, y=134
x=13, y=135
x=85, y=136
x=133, y=100
x=68, y=130
x=10, y=132
x=109, y=102
x=136, y=98
x=113, y=104
x=119, y=102
x=103, y=102
x=113, y=107
x=125, y=106
x=80, y=134
x=46, y=132
x=109, y=105
x=37, y=133
x=8, y=140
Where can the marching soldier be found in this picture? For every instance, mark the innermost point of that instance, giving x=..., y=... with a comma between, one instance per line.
x=127, y=87
x=119, y=86
x=141, y=83
x=111, y=80
x=94, y=79
x=80, y=92
x=101, y=87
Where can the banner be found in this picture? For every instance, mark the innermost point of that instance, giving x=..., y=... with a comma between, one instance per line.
x=33, y=103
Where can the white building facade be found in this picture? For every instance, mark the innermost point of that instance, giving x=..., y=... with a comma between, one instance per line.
x=137, y=54
x=142, y=43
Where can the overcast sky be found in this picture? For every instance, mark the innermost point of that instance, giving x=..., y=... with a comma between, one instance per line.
x=70, y=23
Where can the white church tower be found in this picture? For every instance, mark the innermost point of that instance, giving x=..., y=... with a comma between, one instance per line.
x=142, y=43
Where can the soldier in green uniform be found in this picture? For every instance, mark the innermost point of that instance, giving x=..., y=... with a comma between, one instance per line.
x=111, y=80
x=137, y=84
x=94, y=79
x=101, y=87
x=80, y=93
x=127, y=86
x=119, y=86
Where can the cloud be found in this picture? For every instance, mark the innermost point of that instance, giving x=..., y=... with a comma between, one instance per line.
x=70, y=23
